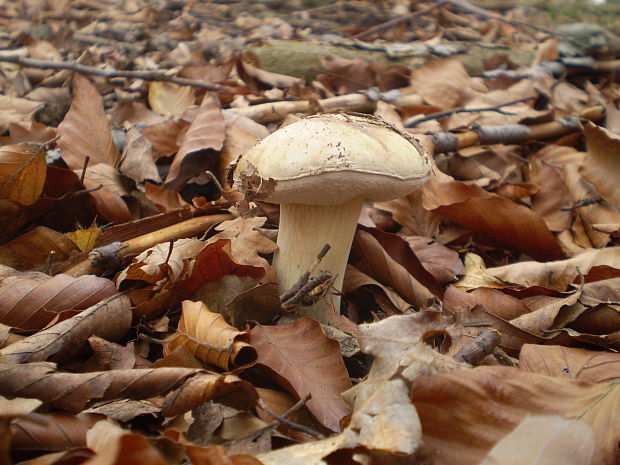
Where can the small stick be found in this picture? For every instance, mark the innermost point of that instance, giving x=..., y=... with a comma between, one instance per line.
x=483, y=345
x=412, y=122
x=147, y=75
x=303, y=280
x=273, y=425
x=291, y=424
x=396, y=21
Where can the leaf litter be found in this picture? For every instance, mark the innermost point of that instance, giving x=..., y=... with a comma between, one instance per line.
x=140, y=315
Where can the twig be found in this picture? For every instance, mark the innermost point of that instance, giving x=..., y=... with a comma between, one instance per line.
x=147, y=75
x=303, y=280
x=289, y=423
x=582, y=203
x=412, y=122
x=271, y=426
x=396, y=21
x=483, y=345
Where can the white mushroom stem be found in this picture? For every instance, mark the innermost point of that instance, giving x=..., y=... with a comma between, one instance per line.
x=304, y=230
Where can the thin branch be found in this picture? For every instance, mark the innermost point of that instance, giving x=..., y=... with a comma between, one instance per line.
x=440, y=114
x=396, y=21
x=289, y=423
x=147, y=75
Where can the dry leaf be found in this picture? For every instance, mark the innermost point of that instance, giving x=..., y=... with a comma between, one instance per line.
x=465, y=413
x=108, y=189
x=137, y=160
x=210, y=339
x=497, y=219
x=85, y=131
x=305, y=361
x=22, y=173
x=109, y=319
x=567, y=362
x=170, y=99
x=30, y=301
x=202, y=140
x=550, y=440
x=602, y=163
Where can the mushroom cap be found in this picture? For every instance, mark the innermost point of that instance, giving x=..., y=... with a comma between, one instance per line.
x=329, y=159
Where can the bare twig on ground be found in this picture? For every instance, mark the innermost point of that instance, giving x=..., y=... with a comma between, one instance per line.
x=147, y=75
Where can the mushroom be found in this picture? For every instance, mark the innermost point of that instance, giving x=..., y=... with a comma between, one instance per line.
x=320, y=170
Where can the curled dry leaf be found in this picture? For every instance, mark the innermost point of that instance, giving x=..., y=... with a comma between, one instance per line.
x=109, y=319
x=31, y=301
x=567, y=362
x=85, y=131
x=495, y=218
x=22, y=173
x=14, y=109
x=550, y=440
x=210, y=339
x=476, y=275
x=465, y=413
x=200, y=144
x=184, y=388
x=305, y=361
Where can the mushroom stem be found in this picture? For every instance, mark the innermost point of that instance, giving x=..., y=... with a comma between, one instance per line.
x=304, y=230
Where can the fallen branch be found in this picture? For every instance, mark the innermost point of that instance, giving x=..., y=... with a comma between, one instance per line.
x=147, y=75
x=414, y=121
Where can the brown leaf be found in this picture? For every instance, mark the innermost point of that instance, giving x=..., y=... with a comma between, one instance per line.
x=409, y=212
x=495, y=218
x=170, y=99
x=556, y=440
x=52, y=431
x=165, y=199
x=389, y=259
x=305, y=361
x=553, y=195
x=16, y=110
x=109, y=319
x=566, y=362
x=137, y=160
x=210, y=339
x=22, y=173
x=445, y=83
x=186, y=388
x=213, y=262
x=127, y=449
x=163, y=261
x=216, y=455
x=204, y=137
x=36, y=248
x=442, y=263
x=592, y=264
x=31, y=301
x=110, y=187
x=465, y=413
x=165, y=136
x=85, y=131
x=602, y=163
x=111, y=356
x=247, y=242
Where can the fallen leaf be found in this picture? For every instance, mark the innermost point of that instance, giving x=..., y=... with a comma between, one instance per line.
x=31, y=301
x=465, y=413
x=86, y=117
x=497, y=219
x=170, y=99
x=22, y=173
x=109, y=319
x=567, y=362
x=550, y=440
x=602, y=161
x=199, y=145
x=137, y=160
x=305, y=361
x=210, y=339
